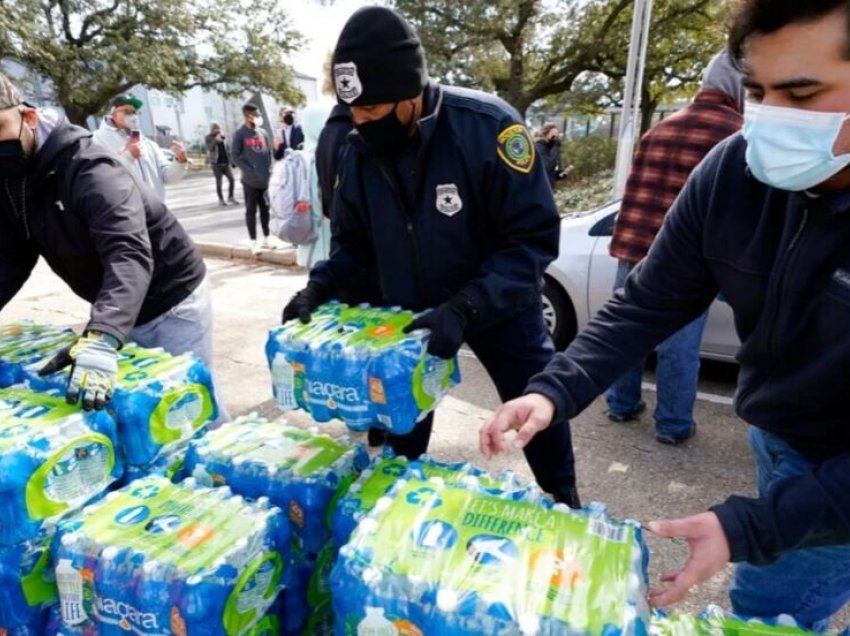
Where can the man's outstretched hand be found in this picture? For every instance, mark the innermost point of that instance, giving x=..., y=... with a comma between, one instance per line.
x=709, y=553
x=527, y=415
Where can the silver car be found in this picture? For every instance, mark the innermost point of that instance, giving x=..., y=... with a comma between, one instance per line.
x=581, y=280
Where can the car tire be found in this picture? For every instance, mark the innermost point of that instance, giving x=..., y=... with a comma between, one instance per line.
x=559, y=314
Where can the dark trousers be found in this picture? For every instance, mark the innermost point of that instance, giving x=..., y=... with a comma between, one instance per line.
x=223, y=171
x=512, y=352
x=254, y=198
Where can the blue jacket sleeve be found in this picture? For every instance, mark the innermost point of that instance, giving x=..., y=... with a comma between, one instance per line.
x=350, y=272
x=805, y=511
x=18, y=256
x=666, y=291
x=522, y=211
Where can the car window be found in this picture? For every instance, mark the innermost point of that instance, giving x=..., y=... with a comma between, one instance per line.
x=605, y=225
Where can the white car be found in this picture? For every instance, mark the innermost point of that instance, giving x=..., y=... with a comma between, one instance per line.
x=580, y=281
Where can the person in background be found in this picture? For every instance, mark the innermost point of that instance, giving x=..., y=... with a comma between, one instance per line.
x=252, y=154
x=548, y=142
x=441, y=207
x=65, y=198
x=291, y=134
x=314, y=118
x=765, y=220
x=667, y=155
x=120, y=131
x=218, y=158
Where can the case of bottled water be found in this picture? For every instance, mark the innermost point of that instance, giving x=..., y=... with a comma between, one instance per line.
x=54, y=457
x=356, y=364
x=298, y=470
x=163, y=558
x=27, y=585
x=714, y=621
x=434, y=558
x=305, y=603
x=374, y=482
x=24, y=344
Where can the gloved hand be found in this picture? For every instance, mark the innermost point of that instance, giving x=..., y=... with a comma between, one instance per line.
x=302, y=304
x=95, y=366
x=448, y=324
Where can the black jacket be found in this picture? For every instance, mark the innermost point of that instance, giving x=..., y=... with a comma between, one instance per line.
x=114, y=243
x=296, y=141
x=466, y=209
x=782, y=262
x=550, y=154
x=331, y=139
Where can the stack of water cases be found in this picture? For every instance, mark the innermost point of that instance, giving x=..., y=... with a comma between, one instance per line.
x=160, y=400
x=163, y=558
x=301, y=472
x=713, y=621
x=434, y=558
x=54, y=458
x=356, y=364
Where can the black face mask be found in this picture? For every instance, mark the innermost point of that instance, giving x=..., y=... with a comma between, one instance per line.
x=13, y=162
x=288, y=119
x=387, y=135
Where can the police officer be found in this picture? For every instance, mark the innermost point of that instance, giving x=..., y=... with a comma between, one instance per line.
x=441, y=204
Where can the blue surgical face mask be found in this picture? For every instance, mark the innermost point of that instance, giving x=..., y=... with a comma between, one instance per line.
x=790, y=148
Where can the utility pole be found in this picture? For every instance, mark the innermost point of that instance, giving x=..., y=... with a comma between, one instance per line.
x=630, y=119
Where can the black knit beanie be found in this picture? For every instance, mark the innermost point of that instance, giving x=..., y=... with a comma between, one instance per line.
x=378, y=59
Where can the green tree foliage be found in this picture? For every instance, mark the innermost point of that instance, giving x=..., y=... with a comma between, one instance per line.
x=91, y=50
x=527, y=50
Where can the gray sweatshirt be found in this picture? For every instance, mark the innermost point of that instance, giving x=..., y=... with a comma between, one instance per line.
x=252, y=154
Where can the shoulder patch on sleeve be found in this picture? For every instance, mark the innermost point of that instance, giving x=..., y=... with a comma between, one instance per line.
x=516, y=148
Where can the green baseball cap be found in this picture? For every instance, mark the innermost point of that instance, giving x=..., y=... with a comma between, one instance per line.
x=127, y=98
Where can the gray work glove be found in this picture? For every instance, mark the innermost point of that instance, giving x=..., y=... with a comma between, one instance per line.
x=94, y=360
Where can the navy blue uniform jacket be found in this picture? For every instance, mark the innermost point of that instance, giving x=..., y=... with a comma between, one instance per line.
x=468, y=209
x=782, y=262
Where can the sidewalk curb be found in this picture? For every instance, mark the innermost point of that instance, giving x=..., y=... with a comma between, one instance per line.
x=283, y=257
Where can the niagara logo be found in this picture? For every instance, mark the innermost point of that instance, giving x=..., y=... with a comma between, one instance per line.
x=125, y=615
x=332, y=392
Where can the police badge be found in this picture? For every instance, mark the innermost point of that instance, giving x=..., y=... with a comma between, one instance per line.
x=347, y=82
x=448, y=199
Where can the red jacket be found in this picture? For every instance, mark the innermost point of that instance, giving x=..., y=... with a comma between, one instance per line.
x=667, y=155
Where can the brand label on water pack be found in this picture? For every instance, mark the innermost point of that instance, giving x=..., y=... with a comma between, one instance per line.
x=70, y=585
x=283, y=379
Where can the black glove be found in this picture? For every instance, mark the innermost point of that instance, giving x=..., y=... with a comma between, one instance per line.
x=448, y=324
x=95, y=367
x=302, y=304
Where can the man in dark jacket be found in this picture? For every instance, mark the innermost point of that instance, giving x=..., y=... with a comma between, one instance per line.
x=442, y=203
x=765, y=220
x=218, y=157
x=72, y=201
x=331, y=139
x=291, y=135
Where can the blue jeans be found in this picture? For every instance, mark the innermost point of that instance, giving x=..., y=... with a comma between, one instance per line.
x=676, y=377
x=812, y=584
x=185, y=328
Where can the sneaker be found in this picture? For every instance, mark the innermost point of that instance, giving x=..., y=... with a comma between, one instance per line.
x=673, y=440
x=233, y=201
x=628, y=417
x=255, y=247
x=272, y=243
x=222, y=203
